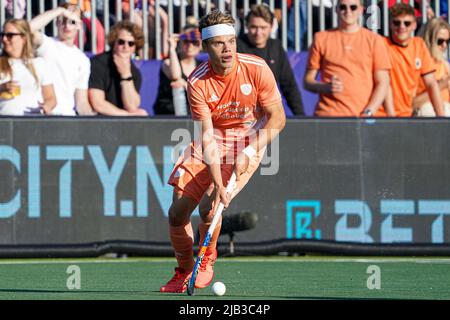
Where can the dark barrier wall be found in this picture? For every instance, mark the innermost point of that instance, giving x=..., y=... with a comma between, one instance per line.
x=83, y=181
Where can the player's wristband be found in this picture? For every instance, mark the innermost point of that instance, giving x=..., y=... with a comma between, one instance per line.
x=249, y=151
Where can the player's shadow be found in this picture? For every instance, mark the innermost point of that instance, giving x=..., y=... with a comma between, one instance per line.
x=5, y=290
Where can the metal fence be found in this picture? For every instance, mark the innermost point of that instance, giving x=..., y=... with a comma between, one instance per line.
x=297, y=20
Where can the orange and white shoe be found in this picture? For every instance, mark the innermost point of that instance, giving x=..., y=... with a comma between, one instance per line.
x=206, y=269
x=178, y=283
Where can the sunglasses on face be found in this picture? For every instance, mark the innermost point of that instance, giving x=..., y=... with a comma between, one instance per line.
x=193, y=42
x=122, y=42
x=440, y=41
x=406, y=23
x=64, y=21
x=9, y=35
x=344, y=7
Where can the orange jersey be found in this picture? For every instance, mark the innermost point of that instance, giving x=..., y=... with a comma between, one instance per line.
x=353, y=57
x=235, y=103
x=409, y=64
x=236, y=100
x=442, y=71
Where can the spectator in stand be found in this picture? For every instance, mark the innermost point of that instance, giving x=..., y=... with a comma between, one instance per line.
x=354, y=66
x=259, y=22
x=176, y=70
x=115, y=81
x=176, y=11
x=20, y=8
x=417, y=11
x=436, y=37
x=100, y=30
x=26, y=87
x=68, y=65
x=164, y=24
x=411, y=61
x=303, y=22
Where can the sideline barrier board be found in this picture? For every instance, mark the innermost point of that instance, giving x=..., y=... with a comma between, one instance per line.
x=93, y=182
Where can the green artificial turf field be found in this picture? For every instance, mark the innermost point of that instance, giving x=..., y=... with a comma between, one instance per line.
x=260, y=278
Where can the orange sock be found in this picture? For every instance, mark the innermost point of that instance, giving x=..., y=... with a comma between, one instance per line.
x=203, y=228
x=182, y=239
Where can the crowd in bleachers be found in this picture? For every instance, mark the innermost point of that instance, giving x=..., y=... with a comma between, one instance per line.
x=397, y=75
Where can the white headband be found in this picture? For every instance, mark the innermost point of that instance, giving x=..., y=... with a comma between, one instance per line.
x=218, y=30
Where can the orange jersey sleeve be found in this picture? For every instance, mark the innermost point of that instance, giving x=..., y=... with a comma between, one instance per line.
x=428, y=64
x=196, y=96
x=268, y=93
x=314, y=58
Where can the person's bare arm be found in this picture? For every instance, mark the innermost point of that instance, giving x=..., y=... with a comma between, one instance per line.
x=41, y=21
x=49, y=98
x=381, y=86
x=164, y=32
x=423, y=98
x=171, y=67
x=434, y=93
x=311, y=84
x=130, y=96
x=389, y=103
x=102, y=106
x=82, y=104
x=276, y=120
x=211, y=157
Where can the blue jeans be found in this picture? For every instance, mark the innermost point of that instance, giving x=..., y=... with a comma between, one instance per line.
x=303, y=7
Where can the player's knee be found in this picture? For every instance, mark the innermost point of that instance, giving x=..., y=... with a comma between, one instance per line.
x=206, y=213
x=179, y=214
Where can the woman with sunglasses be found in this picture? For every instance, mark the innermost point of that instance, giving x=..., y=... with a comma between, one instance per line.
x=175, y=70
x=115, y=82
x=25, y=85
x=436, y=35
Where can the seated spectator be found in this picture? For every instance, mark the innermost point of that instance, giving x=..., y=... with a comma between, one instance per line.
x=436, y=37
x=70, y=79
x=259, y=21
x=25, y=84
x=354, y=67
x=115, y=81
x=175, y=71
x=411, y=61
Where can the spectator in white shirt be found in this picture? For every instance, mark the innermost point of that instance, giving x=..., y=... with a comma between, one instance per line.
x=25, y=84
x=68, y=64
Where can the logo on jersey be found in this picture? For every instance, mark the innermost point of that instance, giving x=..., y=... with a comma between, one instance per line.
x=213, y=98
x=418, y=63
x=179, y=173
x=246, y=89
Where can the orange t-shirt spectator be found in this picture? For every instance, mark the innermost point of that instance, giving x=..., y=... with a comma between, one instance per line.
x=353, y=58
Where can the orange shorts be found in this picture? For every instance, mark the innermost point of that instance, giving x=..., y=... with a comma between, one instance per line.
x=192, y=178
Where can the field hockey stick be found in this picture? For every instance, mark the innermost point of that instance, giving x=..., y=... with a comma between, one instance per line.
x=201, y=252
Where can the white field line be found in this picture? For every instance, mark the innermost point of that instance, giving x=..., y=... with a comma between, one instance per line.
x=235, y=260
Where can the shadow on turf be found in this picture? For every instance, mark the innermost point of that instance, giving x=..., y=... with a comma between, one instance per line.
x=66, y=291
x=238, y=297
x=197, y=295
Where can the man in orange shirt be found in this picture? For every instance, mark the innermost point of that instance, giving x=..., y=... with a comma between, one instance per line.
x=233, y=98
x=354, y=67
x=410, y=61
